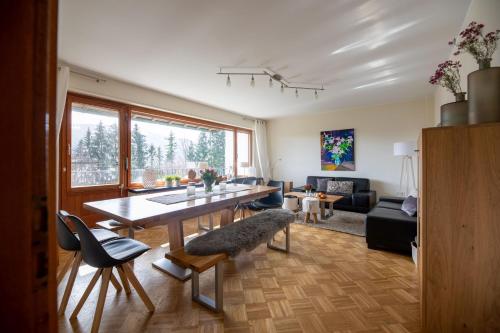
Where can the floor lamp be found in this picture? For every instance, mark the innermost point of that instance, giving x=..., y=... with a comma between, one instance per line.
x=406, y=150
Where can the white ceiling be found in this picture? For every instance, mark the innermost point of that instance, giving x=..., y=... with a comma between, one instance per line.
x=365, y=52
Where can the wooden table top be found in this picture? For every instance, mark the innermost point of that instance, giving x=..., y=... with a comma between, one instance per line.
x=330, y=198
x=136, y=209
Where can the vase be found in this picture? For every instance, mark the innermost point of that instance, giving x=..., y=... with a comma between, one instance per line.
x=484, y=96
x=456, y=113
x=208, y=186
x=484, y=63
x=149, y=178
x=169, y=183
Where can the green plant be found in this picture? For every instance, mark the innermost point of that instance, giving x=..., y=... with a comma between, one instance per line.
x=177, y=178
x=169, y=178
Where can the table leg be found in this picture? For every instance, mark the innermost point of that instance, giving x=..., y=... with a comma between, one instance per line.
x=176, y=240
x=330, y=209
x=226, y=216
x=322, y=209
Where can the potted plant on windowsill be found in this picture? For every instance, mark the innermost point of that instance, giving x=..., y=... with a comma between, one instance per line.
x=483, y=84
x=169, y=180
x=447, y=75
x=177, y=180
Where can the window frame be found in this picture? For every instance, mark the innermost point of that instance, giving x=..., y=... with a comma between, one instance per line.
x=126, y=112
x=66, y=143
x=169, y=116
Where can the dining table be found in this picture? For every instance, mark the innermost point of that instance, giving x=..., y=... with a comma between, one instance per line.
x=172, y=208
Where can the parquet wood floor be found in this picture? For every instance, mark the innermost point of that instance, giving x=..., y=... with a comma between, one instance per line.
x=330, y=282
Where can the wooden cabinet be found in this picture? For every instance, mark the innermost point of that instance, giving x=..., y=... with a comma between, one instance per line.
x=459, y=232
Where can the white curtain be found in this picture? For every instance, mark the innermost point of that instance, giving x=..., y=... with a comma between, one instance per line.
x=262, y=161
x=62, y=91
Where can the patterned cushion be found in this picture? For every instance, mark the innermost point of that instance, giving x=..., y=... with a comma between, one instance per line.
x=322, y=185
x=343, y=187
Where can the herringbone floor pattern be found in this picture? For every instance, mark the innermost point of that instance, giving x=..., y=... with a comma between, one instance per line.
x=329, y=283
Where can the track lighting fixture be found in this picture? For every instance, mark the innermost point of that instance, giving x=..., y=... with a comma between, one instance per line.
x=273, y=76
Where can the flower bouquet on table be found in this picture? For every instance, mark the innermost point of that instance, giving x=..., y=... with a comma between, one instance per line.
x=308, y=188
x=208, y=176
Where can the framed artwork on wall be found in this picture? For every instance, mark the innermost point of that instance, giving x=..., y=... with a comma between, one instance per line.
x=337, y=150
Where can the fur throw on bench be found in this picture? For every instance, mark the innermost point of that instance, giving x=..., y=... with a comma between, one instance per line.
x=245, y=235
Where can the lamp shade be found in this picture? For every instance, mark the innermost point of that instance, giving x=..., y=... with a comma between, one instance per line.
x=252, y=171
x=203, y=165
x=244, y=164
x=406, y=148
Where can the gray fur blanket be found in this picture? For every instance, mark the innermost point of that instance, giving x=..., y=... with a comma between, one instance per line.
x=243, y=235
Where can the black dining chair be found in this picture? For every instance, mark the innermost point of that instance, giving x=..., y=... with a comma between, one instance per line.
x=241, y=207
x=273, y=200
x=69, y=241
x=105, y=256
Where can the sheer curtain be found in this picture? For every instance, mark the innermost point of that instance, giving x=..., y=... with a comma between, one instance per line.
x=262, y=161
x=62, y=91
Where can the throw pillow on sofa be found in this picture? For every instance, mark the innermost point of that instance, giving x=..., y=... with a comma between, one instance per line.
x=341, y=187
x=410, y=206
x=322, y=185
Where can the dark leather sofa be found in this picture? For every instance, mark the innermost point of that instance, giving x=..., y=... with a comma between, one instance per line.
x=389, y=228
x=362, y=199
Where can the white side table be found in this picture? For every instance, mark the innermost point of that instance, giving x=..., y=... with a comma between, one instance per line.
x=310, y=206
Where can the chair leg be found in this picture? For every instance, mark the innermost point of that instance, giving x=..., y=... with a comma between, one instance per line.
x=106, y=274
x=138, y=287
x=124, y=280
x=71, y=282
x=315, y=217
x=86, y=294
x=115, y=282
x=65, y=268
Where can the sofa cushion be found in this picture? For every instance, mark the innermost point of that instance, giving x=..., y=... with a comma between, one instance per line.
x=313, y=180
x=389, y=204
x=340, y=187
x=360, y=184
x=390, y=214
x=410, y=206
x=322, y=185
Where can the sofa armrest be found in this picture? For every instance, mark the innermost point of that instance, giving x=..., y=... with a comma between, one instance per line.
x=389, y=198
x=298, y=189
x=364, y=199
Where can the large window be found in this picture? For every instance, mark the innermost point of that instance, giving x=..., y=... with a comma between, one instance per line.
x=95, y=146
x=172, y=148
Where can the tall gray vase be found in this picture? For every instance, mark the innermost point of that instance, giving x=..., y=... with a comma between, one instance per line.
x=484, y=95
x=456, y=113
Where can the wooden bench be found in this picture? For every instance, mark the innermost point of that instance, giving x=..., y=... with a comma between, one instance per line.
x=199, y=264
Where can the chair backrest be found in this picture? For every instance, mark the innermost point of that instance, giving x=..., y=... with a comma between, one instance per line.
x=65, y=237
x=275, y=197
x=250, y=181
x=92, y=251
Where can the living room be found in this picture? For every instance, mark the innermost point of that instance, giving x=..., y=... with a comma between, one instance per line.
x=196, y=166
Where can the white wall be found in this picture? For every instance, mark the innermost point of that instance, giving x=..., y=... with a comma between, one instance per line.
x=481, y=11
x=132, y=94
x=296, y=141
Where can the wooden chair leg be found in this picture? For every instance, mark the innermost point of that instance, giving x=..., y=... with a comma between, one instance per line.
x=138, y=287
x=71, y=282
x=124, y=280
x=315, y=217
x=65, y=268
x=106, y=274
x=86, y=294
x=115, y=282
x=306, y=217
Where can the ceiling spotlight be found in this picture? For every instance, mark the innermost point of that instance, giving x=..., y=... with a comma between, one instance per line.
x=296, y=92
x=282, y=88
x=252, y=82
x=270, y=82
x=228, y=81
x=316, y=94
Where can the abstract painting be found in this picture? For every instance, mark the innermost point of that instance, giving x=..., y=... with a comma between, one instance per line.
x=337, y=150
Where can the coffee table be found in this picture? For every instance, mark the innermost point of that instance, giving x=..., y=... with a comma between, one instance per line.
x=330, y=198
